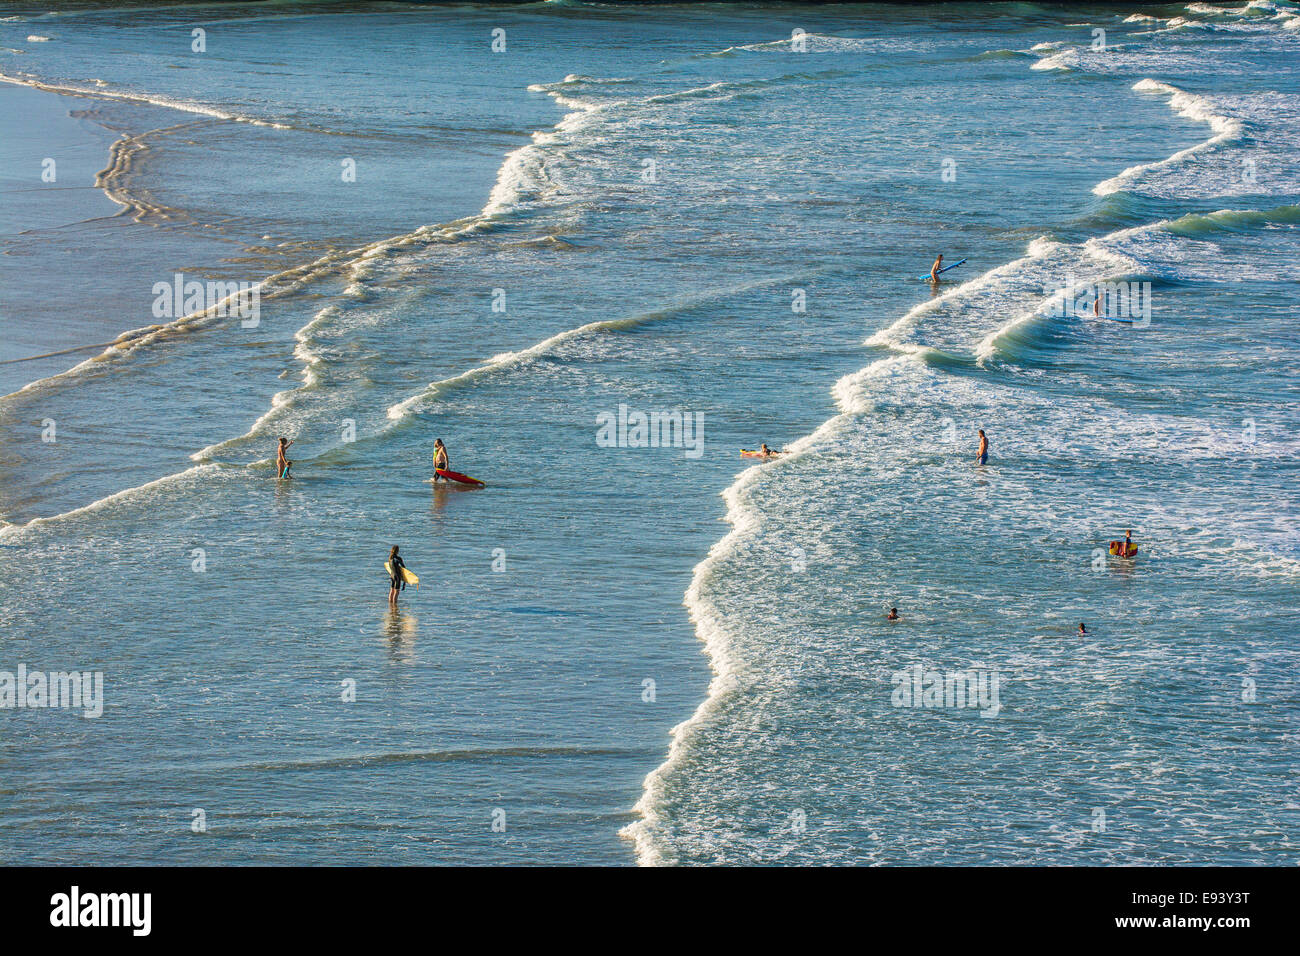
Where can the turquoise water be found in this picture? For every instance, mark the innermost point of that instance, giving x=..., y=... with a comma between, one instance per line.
x=672, y=208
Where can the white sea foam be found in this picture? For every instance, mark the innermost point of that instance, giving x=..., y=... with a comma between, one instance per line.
x=1061, y=60
x=710, y=626
x=906, y=377
x=108, y=501
x=1185, y=104
x=430, y=393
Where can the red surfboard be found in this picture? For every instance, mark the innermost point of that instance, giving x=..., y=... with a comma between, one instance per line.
x=457, y=476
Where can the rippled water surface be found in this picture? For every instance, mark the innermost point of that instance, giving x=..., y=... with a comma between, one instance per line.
x=635, y=210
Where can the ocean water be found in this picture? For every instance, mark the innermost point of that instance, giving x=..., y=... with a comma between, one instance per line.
x=622, y=654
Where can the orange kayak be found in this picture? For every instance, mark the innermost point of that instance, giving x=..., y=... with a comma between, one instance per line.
x=458, y=477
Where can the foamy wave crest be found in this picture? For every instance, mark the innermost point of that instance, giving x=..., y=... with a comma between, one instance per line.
x=1185, y=104
x=522, y=177
x=1060, y=60
x=952, y=320
x=100, y=92
x=710, y=626
x=118, y=497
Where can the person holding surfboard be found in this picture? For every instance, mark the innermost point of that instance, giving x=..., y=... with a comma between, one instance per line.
x=395, y=568
x=938, y=269
x=1125, y=548
x=440, y=459
x=282, y=462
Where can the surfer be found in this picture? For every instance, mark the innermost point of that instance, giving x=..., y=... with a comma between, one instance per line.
x=892, y=615
x=982, y=456
x=767, y=452
x=282, y=463
x=936, y=268
x=395, y=565
x=440, y=459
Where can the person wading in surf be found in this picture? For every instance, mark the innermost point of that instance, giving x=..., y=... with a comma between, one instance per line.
x=397, y=583
x=982, y=456
x=936, y=268
x=440, y=459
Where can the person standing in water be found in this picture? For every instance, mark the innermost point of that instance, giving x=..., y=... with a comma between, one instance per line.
x=936, y=268
x=1128, y=547
x=440, y=459
x=982, y=456
x=1083, y=631
x=892, y=615
x=397, y=583
x=282, y=462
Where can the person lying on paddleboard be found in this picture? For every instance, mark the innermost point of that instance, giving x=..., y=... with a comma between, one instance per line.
x=282, y=463
x=765, y=451
x=398, y=583
x=440, y=459
x=936, y=268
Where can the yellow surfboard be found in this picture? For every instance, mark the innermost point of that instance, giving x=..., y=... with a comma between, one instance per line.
x=409, y=576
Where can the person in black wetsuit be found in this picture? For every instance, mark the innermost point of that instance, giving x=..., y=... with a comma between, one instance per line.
x=397, y=583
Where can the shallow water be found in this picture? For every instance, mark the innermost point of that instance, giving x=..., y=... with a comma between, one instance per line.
x=671, y=209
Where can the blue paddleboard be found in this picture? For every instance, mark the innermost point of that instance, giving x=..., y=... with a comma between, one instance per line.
x=926, y=277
